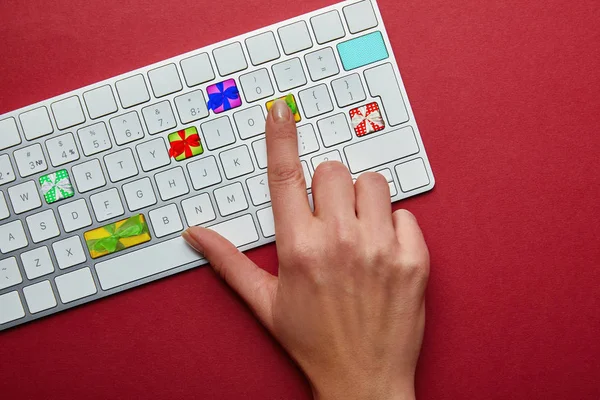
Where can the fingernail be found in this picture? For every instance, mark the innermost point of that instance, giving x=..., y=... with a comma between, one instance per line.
x=191, y=240
x=281, y=111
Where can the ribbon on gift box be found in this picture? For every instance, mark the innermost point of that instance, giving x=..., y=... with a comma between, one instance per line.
x=222, y=97
x=291, y=102
x=132, y=227
x=57, y=185
x=184, y=145
x=369, y=117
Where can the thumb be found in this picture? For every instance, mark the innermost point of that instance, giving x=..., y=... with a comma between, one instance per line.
x=256, y=286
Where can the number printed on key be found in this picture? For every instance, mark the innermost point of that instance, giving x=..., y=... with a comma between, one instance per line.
x=127, y=128
x=6, y=170
x=159, y=117
x=94, y=139
x=62, y=150
x=30, y=160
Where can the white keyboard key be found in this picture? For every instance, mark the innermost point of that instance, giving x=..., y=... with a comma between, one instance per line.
x=231, y=199
x=258, y=187
x=75, y=285
x=164, y=80
x=266, y=221
x=316, y=101
x=107, y=205
x=100, y=102
x=334, y=130
x=36, y=123
x=12, y=237
x=94, y=139
x=62, y=149
x=139, y=194
x=197, y=69
x=68, y=112
x=218, y=133
x=382, y=82
x=256, y=85
x=204, y=173
x=10, y=307
x=69, y=252
x=321, y=64
x=307, y=140
x=171, y=183
x=153, y=154
x=360, y=16
x=24, y=197
x=75, y=215
x=348, y=90
x=132, y=91
x=37, y=263
x=39, y=297
x=7, y=174
x=236, y=162
x=159, y=117
x=120, y=165
x=330, y=156
x=191, y=106
x=43, y=226
x=307, y=175
x=260, y=152
x=262, y=48
x=88, y=176
x=30, y=160
x=127, y=128
x=239, y=231
x=412, y=175
x=4, y=212
x=289, y=74
x=198, y=210
x=381, y=149
x=9, y=133
x=250, y=122
x=9, y=273
x=327, y=27
x=295, y=37
x=230, y=58
x=166, y=220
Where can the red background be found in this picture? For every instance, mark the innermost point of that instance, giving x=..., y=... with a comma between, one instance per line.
x=506, y=94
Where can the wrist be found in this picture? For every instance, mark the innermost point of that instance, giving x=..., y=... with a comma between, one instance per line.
x=366, y=391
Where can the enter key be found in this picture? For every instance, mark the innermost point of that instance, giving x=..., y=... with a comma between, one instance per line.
x=382, y=82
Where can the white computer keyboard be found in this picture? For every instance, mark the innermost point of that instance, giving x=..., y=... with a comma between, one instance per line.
x=96, y=185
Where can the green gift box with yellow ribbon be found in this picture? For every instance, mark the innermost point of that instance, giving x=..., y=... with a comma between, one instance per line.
x=117, y=236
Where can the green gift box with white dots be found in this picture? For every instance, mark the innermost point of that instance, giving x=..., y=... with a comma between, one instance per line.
x=57, y=186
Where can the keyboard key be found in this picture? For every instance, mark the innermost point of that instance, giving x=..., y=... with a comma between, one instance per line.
x=43, y=226
x=197, y=69
x=36, y=123
x=412, y=175
x=100, y=101
x=387, y=174
x=12, y=237
x=258, y=187
x=295, y=37
x=250, y=122
x=257, y=85
x=159, y=117
x=348, y=90
x=9, y=273
x=153, y=154
x=62, y=150
x=316, y=101
x=230, y=58
x=382, y=82
x=127, y=128
x=172, y=184
x=39, y=297
x=266, y=221
x=191, y=106
x=204, y=173
x=37, y=263
x=291, y=102
x=9, y=133
x=139, y=194
x=68, y=112
x=327, y=27
x=334, y=130
x=236, y=162
x=75, y=285
x=321, y=158
x=7, y=174
x=262, y=48
x=56, y=186
x=132, y=91
x=94, y=139
x=107, y=205
x=120, y=165
x=24, y=197
x=117, y=236
x=10, y=307
x=307, y=140
x=223, y=96
x=88, y=176
x=185, y=144
x=260, y=152
x=218, y=133
x=231, y=199
x=164, y=80
x=363, y=50
x=4, y=212
x=381, y=149
x=30, y=160
x=289, y=74
x=75, y=215
x=321, y=64
x=198, y=210
x=367, y=119
x=166, y=220
x=360, y=16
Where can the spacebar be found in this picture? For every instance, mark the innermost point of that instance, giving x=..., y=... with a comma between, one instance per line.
x=168, y=255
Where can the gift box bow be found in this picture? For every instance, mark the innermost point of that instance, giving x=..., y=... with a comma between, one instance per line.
x=184, y=145
x=371, y=119
x=61, y=185
x=222, y=97
x=132, y=227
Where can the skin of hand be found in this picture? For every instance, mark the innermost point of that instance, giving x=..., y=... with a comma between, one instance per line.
x=348, y=304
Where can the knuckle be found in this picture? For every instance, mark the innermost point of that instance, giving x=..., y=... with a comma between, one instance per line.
x=416, y=267
x=286, y=174
x=372, y=179
x=330, y=169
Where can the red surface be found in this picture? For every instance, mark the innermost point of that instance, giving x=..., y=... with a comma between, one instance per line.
x=506, y=94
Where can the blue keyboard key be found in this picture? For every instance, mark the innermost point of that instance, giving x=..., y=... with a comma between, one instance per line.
x=362, y=51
